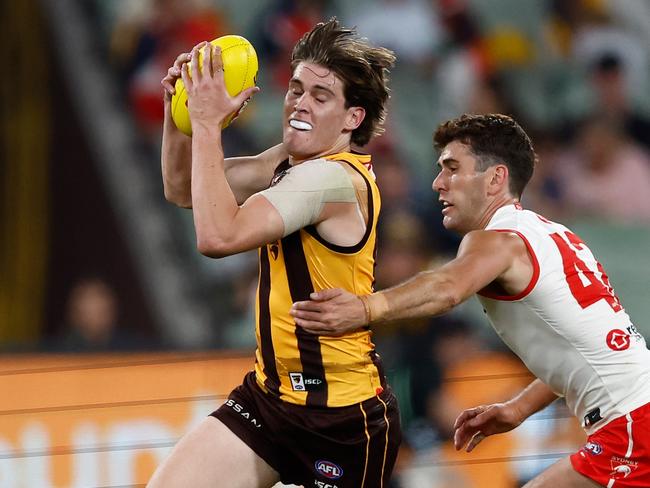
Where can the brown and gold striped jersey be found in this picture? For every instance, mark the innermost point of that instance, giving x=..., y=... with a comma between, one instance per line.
x=292, y=364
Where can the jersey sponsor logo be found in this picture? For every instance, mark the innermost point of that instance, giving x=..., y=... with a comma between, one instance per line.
x=300, y=383
x=328, y=469
x=594, y=448
x=634, y=333
x=622, y=467
x=618, y=340
x=242, y=411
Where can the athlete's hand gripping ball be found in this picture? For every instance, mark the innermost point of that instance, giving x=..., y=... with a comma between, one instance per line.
x=233, y=66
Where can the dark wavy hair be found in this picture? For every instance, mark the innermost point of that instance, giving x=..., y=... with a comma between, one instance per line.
x=493, y=139
x=362, y=67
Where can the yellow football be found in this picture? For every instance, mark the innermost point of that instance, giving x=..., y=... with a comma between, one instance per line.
x=239, y=72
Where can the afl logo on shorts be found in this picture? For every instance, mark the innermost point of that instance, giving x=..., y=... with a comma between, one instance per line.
x=594, y=448
x=618, y=340
x=329, y=470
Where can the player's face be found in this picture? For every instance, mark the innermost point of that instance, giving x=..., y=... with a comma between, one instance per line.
x=316, y=121
x=462, y=189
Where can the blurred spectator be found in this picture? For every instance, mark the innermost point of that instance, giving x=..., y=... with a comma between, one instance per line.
x=409, y=27
x=404, y=248
x=608, y=81
x=597, y=35
x=606, y=175
x=240, y=331
x=489, y=96
x=281, y=28
x=544, y=192
x=145, y=46
x=400, y=196
x=91, y=321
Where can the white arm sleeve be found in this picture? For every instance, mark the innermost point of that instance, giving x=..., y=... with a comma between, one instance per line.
x=299, y=196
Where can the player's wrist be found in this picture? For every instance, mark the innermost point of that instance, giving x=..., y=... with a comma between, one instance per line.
x=376, y=307
x=519, y=410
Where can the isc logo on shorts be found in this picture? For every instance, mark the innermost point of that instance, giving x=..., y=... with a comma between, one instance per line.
x=328, y=469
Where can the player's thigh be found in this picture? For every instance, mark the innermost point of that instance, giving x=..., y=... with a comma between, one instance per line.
x=561, y=475
x=211, y=456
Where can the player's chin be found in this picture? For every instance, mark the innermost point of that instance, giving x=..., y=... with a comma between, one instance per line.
x=298, y=149
x=448, y=223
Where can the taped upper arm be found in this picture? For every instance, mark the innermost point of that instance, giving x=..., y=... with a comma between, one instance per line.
x=300, y=195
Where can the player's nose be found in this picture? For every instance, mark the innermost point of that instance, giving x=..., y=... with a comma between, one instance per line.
x=437, y=184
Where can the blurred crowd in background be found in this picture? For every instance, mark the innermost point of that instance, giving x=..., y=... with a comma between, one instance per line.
x=574, y=73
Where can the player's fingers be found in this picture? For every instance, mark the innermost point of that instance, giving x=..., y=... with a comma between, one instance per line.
x=208, y=60
x=194, y=65
x=466, y=415
x=200, y=45
x=182, y=58
x=168, y=87
x=244, y=97
x=305, y=315
x=187, y=79
x=461, y=436
x=168, y=81
x=324, y=295
x=306, y=306
x=482, y=418
x=218, y=60
x=313, y=327
x=475, y=441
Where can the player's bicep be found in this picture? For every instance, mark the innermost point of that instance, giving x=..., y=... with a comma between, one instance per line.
x=256, y=223
x=482, y=258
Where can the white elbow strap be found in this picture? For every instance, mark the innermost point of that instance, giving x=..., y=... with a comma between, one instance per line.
x=299, y=196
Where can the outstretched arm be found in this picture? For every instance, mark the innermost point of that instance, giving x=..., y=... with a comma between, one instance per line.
x=482, y=258
x=475, y=424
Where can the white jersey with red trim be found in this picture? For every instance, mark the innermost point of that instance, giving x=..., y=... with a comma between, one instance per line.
x=568, y=325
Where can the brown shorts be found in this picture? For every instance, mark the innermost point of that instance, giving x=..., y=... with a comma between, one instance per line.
x=337, y=447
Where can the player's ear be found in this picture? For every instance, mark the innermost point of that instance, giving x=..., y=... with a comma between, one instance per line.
x=354, y=118
x=499, y=178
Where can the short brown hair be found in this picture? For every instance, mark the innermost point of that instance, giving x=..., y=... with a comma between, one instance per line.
x=493, y=139
x=362, y=67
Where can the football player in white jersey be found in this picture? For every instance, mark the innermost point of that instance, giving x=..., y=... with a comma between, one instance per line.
x=544, y=293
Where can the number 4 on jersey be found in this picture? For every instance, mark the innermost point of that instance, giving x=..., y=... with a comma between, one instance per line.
x=577, y=273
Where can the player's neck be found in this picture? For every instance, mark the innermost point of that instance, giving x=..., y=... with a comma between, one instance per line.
x=492, y=208
x=341, y=146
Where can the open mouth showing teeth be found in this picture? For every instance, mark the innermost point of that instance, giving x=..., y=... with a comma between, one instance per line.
x=300, y=125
